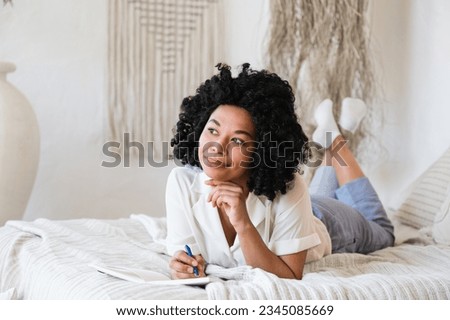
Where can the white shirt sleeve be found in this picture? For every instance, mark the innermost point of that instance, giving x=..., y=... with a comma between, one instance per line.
x=294, y=226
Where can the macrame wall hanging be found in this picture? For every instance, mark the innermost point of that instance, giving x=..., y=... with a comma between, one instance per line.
x=159, y=51
x=322, y=47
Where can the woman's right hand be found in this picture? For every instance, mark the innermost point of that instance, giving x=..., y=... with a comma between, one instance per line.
x=182, y=266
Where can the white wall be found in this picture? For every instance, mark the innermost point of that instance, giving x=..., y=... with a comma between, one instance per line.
x=245, y=33
x=413, y=45
x=59, y=47
x=60, y=51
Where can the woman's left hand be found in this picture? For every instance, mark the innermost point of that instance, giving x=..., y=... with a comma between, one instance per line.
x=231, y=198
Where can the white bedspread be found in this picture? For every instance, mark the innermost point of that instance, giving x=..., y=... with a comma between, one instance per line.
x=48, y=259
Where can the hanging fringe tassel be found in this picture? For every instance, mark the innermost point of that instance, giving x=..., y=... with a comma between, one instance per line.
x=322, y=47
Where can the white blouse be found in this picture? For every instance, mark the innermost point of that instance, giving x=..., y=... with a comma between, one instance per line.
x=286, y=224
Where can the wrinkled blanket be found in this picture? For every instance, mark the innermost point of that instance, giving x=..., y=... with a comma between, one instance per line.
x=48, y=259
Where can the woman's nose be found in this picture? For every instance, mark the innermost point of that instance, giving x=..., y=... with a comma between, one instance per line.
x=216, y=147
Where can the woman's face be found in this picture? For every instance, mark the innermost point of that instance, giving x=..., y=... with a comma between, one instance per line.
x=226, y=144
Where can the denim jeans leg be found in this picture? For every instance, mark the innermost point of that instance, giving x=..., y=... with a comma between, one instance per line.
x=361, y=195
x=324, y=182
x=342, y=222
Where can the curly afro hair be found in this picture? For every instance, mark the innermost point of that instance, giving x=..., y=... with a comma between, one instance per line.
x=281, y=144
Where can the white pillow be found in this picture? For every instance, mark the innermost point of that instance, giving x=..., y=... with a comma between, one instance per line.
x=428, y=194
x=441, y=227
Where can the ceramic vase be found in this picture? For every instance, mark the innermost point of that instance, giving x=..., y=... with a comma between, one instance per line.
x=19, y=148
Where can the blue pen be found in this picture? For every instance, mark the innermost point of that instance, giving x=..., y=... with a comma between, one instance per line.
x=189, y=253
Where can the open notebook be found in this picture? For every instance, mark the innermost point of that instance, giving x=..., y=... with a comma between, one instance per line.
x=146, y=276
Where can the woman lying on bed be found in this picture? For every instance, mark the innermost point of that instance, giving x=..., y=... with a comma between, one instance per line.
x=240, y=198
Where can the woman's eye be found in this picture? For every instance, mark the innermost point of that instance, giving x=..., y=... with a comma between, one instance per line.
x=212, y=131
x=239, y=142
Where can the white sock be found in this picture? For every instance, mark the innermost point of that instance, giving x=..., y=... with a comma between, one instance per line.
x=352, y=112
x=327, y=129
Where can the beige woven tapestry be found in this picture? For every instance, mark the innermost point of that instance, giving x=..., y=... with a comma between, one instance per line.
x=159, y=51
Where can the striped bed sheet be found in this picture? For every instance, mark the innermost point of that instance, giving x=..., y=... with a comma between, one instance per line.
x=49, y=259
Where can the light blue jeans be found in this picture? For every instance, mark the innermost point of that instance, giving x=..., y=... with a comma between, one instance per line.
x=352, y=213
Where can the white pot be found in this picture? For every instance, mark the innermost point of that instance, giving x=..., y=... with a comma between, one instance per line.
x=19, y=148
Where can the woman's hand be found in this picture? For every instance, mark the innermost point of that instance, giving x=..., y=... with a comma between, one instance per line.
x=231, y=198
x=182, y=266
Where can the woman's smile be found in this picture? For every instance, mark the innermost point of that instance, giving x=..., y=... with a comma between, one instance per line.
x=215, y=161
